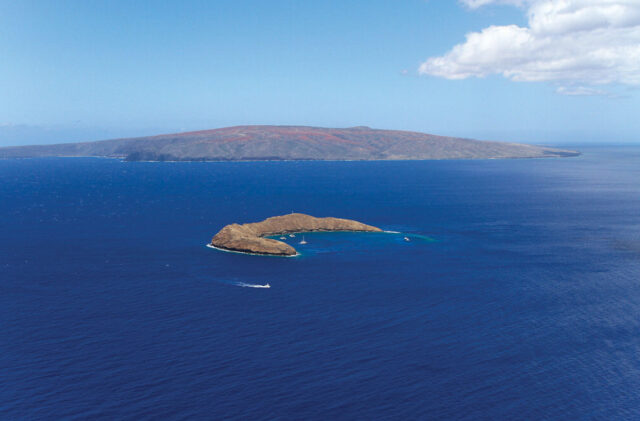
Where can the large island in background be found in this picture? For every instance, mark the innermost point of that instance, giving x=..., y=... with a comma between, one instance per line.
x=265, y=143
x=249, y=238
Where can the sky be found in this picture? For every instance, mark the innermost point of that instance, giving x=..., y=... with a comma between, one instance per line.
x=536, y=71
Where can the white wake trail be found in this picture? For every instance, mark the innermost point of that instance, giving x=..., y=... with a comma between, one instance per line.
x=245, y=285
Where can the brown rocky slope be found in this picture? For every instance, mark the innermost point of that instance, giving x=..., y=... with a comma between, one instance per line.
x=249, y=238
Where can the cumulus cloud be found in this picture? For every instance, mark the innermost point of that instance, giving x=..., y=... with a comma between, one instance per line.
x=570, y=42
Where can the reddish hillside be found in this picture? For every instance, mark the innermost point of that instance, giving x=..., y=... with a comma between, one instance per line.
x=289, y=143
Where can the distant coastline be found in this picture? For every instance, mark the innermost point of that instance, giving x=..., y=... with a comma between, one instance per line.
x=289, y=143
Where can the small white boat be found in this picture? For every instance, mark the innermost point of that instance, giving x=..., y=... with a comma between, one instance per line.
x=292, y=235
x=283, y=238
x=267, y=286
x=406, y=239
x=303, y=241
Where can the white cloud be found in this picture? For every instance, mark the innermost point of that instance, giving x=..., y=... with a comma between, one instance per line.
x=582, y=91
x=572, y=42
x=474, y=4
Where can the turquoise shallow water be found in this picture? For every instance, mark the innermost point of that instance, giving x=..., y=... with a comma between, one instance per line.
x=518, y=296
x=351, y=242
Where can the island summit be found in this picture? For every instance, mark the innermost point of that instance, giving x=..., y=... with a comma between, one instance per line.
x=250, y=238
x=285, y=143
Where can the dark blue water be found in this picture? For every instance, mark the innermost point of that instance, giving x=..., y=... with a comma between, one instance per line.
x=525, y=306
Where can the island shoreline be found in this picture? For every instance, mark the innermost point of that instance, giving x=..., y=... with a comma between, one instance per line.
x=254, y=238
x=211, y=246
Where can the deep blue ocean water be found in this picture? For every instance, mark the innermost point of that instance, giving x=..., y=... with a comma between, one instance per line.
x=517, y=298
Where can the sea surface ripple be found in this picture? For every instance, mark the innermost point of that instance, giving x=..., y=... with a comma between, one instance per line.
x=518, y=296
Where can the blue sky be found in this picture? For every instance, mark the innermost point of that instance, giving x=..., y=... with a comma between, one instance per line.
x=88, y=70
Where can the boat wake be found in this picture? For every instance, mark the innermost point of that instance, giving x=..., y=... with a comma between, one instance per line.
x=408, y=237
x=245, y=285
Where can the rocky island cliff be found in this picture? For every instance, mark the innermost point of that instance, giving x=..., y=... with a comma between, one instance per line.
x=250, y=238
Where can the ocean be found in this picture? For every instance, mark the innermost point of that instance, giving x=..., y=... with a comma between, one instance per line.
x=518, y=296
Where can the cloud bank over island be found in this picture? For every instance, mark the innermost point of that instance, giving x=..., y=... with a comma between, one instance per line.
x=577, y=44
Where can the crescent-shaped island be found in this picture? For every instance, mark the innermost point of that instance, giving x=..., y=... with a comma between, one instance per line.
x=250, y=238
